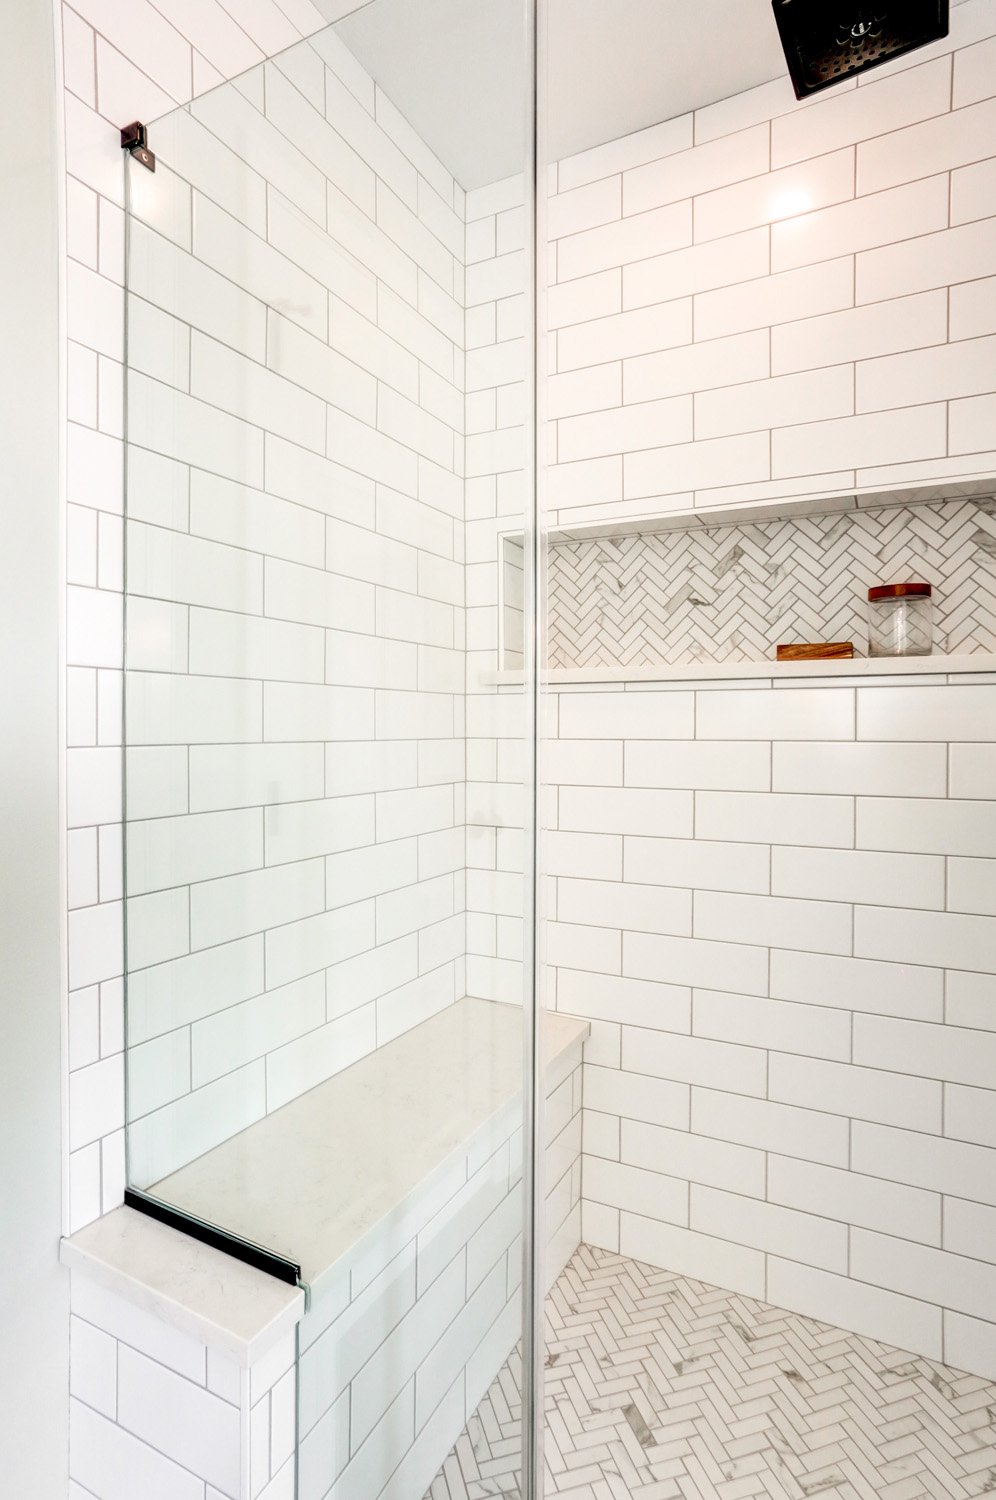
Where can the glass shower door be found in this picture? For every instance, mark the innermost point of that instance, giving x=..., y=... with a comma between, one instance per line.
x=328, y=844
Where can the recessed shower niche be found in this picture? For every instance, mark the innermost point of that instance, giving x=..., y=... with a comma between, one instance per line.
x=677, y=593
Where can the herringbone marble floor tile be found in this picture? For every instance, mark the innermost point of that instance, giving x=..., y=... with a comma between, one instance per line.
x=663, y=1388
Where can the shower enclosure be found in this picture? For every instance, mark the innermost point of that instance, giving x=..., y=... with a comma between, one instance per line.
x=471, y=487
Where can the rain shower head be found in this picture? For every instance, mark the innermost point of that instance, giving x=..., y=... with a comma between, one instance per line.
x=827, y=40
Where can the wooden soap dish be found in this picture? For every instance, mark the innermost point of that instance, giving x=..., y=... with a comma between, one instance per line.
x=815, y=651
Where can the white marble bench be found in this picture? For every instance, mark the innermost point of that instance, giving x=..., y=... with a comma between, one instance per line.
x=395, y=1186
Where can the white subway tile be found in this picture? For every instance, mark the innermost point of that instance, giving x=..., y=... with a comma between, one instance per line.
x=685, y=174
x=862, y=769
x=95, y=944
x=808, y=397
x=689, y=1253
x=951, y=1281
x=932, y=826
x=592, y=390
x=693, y=1059
x=626, y=810
x=697, y=864
x=694, y=961
x=972, y=423
x=591, y=856
x=623, y=335
x=775, y=195
x=596, y=296
x=638, y=908
x=758, y=817
x=651, y=1193
x=968, y=713
x=973, y=308
x=854, y=1199
x=108, y=1460
x=698, y=268
x=808, y=1133
x=586, y=207
x=598, y=949
x=968, y=1114
x=946, y=141
x=802, y=1236
x=698, y=765
x=957, y=369
x=937, y=938
x=627, y=240
x=876, y=219
x=972, y=886
x=854, y=875
x=698, y=367
x=649, y=716
x=923, y=1160
x=947, y=1052
x=782, y=298
x=884, y=437
x=696, y=1158
x=96, y=1099
x=783, y=714
x=657, y=1101
x=626, y=152
x=696, y=466
x=644, y=425
x=807, y=1029
x=865, y=332
x=842, y=119
x=862, y=1092
x=847, y=1303
x=973, y=192
x=931, y=260
x=973, y=72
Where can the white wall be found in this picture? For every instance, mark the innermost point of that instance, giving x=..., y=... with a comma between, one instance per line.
x=767, y=299
x=776, y=904
x=33, y=1290
x=294, y=693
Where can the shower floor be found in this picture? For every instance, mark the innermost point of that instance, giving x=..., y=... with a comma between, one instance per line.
x=663, y=1388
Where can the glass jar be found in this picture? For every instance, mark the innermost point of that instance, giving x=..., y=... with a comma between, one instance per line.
x=900, y=620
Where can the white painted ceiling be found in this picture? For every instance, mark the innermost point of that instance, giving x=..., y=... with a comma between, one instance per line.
x=455, y=68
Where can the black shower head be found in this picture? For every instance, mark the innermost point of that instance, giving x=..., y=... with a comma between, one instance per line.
x=827, y=40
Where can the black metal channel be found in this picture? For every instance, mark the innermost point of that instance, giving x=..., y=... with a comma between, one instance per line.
x=211, y=1234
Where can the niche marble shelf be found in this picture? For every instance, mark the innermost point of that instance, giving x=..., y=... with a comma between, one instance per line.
x=909, y=668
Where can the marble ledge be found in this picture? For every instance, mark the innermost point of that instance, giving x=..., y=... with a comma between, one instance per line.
x=211, y=1296
x=858, y=667
x=436, y=1094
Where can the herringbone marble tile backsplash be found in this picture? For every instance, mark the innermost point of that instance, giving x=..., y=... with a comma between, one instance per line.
x=732, y=593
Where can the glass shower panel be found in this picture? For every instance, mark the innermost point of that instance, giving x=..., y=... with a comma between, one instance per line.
x=328, y=852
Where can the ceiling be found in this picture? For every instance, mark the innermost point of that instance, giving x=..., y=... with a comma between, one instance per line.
x=454, y=68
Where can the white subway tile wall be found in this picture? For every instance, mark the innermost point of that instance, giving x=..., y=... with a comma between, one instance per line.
x=119, y=63
x=398, y=1348
x=769, y=294
x=791, y=991
x=154, y=1411
x=307, y=600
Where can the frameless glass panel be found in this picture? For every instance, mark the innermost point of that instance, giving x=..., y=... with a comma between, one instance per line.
x=328, y=846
